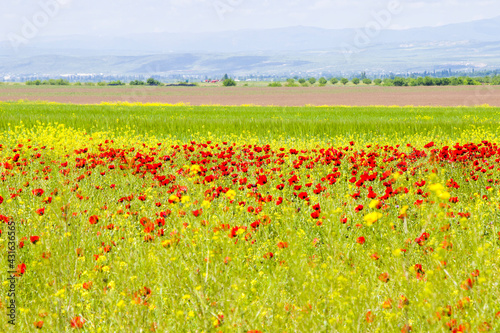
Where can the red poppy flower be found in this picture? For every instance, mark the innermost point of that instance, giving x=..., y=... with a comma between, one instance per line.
x=40, y=211
x=282, y=245
x=370, y=317
x=38, y=324
x=21, y=269
x=303, y=195
x=361, y=240
x=268, y=255
x=387, y=304
x=384, y=277
x=1, y=199
x=38, y=192
x=262, y=180
x=77, y=322
x=255, y=224
x=87, y=285
x=467, y=284
x=358, y=208
x=419, y=269
x=34, y=239
x=93, y=219
x=315, y=214
x=166, y=213
x=197, y=212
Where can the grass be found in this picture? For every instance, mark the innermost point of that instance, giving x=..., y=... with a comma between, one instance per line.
x=183, y=121
x=264, y=220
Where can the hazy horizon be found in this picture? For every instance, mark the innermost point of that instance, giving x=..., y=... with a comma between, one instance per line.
x=123, y=17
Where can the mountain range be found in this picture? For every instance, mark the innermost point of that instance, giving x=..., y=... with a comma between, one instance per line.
x=461, y=46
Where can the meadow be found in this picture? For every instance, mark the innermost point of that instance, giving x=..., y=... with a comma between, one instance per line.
x=179, y=218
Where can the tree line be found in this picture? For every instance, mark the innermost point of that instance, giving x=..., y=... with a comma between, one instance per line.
x=306, y=82
x=396, y=81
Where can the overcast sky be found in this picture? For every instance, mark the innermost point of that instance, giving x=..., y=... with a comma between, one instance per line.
x=121, y=17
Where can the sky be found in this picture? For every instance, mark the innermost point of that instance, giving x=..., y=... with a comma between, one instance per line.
x=123, y=17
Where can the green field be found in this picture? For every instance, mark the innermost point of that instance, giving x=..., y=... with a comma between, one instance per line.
x=266, y=122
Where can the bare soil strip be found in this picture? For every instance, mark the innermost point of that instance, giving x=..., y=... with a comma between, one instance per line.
x=300, y=96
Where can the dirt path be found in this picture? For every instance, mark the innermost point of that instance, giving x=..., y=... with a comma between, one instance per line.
x=372, y=95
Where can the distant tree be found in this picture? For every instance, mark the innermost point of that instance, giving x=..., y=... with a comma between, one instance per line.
x=428, y=81
x=399, y=81
x=355, y=81
x=367, y=81
x=312, y=80
x=101, y=83
x=225, y=77
x=344, y=81
x=471, y=82
x=62, y=82
x=388, y=82
x=291, y=83
x=275, y=84
x=137, y=83
x=363, y=75
x=116, y=83
x=334, y=81
x=437, y=81
x=302, y=81
x=77, y=83
x=412, y=82
x=322, y=81
x=378, y=82
x=229, y=83
x=152, y=82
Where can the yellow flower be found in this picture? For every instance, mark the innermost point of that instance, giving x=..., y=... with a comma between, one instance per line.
x=230, y=194
x=194, y=169
x=436, y=187
x=444, y=195
x=372, y=218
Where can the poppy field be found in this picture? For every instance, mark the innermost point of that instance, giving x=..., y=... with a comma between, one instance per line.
x=174, y=218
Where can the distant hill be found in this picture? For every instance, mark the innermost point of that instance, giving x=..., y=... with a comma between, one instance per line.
x=296, y=49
